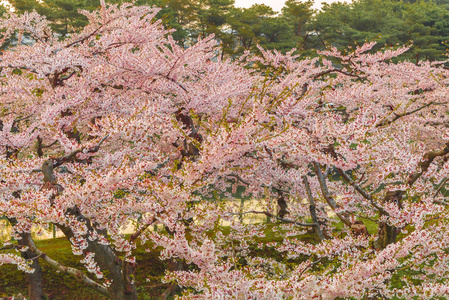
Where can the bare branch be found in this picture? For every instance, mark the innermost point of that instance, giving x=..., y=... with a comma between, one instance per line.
x=277, y=189
x=239, y=178
x=21, y=119
x=336, y=71
x=84, y=38
x=424, y=164
x=9, y=247
x=327, y=196
x=327, y=171
x=397, y=116
x=172, y=80
x=72, y=155
x=440, y=187
x=312, y=208
x=49, y=145
x=136, y=234
x=68, y=76
x=362, y=192
x=309, y=266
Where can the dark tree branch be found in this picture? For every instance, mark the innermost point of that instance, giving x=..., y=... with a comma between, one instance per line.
x=440, y=187
x=337, y=71
x=311, y=264
x=362, y=192
x=84, y=38
x=327, y=196
x=312, y=209
x=49, y=145
x=239, y=179
x=172, y=80
x=21, y=119
x=398, y=116
x=71, y=156
x=68, y=76
x=9, y=247
x=136, y=234
x=425, y=162
x=387, y=233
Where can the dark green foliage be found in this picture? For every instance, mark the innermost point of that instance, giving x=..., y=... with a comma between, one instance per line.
x=298, y=13
x=63, y=14
x=178, y=15
x=389, y=22
x=2, y=10
x=248, y=26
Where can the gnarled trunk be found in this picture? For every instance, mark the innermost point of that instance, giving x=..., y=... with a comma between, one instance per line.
x=119, y=272
x=122, y=287
x=35, y=285
x=282, y=204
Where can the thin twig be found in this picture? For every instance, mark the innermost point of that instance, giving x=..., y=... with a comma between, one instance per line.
x=398, y=116
x=440, y=187
x=239, y=178
x=309, y=266
x=49, y=145
x=72, y=155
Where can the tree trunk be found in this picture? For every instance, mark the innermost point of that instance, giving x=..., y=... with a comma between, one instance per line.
x=300, y=44
x=282, y=204
x=122, y=287
x=173, y=288
x=312, y=209
x=35, y=286
x=387, y=234
x=117, y=271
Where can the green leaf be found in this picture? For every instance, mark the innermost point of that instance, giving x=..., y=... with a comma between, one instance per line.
x=353, y=146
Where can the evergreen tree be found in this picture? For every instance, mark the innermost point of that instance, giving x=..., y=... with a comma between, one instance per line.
x=247, y=26
x=64, y=15
x=389, y=22
x=299, y=13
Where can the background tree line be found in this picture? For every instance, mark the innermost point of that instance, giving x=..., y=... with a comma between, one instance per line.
x=298, y=25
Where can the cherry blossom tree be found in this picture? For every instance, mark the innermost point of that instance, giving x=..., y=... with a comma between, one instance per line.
x=120, y=126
